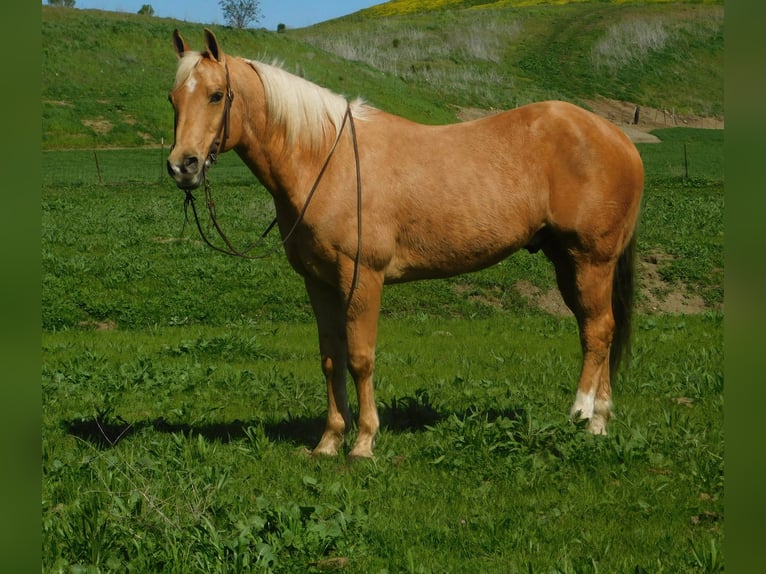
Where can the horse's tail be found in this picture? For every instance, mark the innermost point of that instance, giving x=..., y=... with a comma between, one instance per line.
x=623, y=289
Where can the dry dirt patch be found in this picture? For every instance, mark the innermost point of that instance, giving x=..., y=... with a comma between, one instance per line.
x=637, y=121
x=62, y=103
x=658, y=296
x=549, y=301
x=655, y=295
x=623, y=114
x=100, y=126
x=107, y=325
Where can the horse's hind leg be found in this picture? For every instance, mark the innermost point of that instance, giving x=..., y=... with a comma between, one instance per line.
x=585, y=282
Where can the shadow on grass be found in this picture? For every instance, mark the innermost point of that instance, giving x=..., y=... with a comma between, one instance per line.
x=108, y=433
x=104, y=430
x=405, y=414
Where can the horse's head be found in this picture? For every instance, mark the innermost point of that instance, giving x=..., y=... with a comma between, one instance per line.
x=201, y=99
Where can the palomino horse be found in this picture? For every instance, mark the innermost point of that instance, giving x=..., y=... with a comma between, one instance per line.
x=365, y=198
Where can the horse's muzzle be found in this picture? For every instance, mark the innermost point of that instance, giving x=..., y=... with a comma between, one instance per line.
x=187, y=173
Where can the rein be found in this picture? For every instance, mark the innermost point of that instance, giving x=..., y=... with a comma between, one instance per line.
x=218, y=144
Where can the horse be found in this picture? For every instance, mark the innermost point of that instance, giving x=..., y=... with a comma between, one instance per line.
x=365, y=198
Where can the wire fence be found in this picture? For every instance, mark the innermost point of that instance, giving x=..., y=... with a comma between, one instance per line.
x=126, y=166
x=147, y=165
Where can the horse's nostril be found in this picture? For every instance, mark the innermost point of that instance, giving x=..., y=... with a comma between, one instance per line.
x=187, y=167
x=190, y=164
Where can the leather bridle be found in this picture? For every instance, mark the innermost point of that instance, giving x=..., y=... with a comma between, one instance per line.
x=223, y=130
x=218, y=144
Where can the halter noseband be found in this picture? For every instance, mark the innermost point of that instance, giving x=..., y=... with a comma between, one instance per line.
x=223, y=130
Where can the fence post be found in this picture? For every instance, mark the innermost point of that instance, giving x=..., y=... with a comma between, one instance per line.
x=686, y=165
x=98, y=168
x=162, y=157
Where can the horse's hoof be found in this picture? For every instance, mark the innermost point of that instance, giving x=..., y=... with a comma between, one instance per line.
x=323, y=451
x=359, y=454
x=355, y=458
x=597, y=426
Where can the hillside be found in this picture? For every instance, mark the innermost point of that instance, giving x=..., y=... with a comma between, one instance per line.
x=507, y=53
x=106, y=75
x=399, y=7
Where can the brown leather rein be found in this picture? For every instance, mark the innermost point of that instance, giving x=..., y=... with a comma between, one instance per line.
x=218, y=144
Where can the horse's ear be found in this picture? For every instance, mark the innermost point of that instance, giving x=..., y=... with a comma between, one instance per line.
x=213, y=48
x=179, y=43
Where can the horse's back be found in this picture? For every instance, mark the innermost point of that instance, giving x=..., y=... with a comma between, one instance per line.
x=563, y=135
x=444, y=200
x=539, y=146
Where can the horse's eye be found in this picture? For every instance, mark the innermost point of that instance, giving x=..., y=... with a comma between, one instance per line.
x=216, y=97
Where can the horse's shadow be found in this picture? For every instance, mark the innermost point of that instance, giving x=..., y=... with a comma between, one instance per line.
x=406, y=414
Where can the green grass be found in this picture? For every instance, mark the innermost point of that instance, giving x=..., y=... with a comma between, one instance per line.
x=182, y=446
x=399, y=7
x=504, y=54
x=181, y=387
x=173, y=440
x=81, y=222
x=685, y=194
x=106, y=76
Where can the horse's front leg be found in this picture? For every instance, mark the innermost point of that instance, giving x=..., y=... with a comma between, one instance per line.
x=362, y=313
x=330, y=316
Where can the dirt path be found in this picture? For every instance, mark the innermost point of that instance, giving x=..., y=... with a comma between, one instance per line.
x=623, y=115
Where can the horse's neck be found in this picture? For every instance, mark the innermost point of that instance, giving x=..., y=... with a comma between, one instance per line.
x=285, y=174
x=288, y=171
x=259, y=144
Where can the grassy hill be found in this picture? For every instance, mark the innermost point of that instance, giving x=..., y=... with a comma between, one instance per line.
x=511, y=52
x=106, y=75
x=398, y=7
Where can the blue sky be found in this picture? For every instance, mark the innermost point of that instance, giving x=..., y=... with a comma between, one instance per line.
x=292, y=13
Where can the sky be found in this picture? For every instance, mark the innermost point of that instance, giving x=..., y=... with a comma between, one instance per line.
x=291, y=13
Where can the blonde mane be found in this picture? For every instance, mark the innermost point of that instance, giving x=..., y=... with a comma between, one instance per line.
x=307, y=112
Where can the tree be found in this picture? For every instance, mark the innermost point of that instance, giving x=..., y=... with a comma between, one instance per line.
x=240, y=13
x=146, y=10
x=66, y=3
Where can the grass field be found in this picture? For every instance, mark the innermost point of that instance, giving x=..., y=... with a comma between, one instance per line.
x=181, y=388
x=181, y=449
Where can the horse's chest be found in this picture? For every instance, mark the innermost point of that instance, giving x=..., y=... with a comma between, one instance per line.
x=309, y=262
